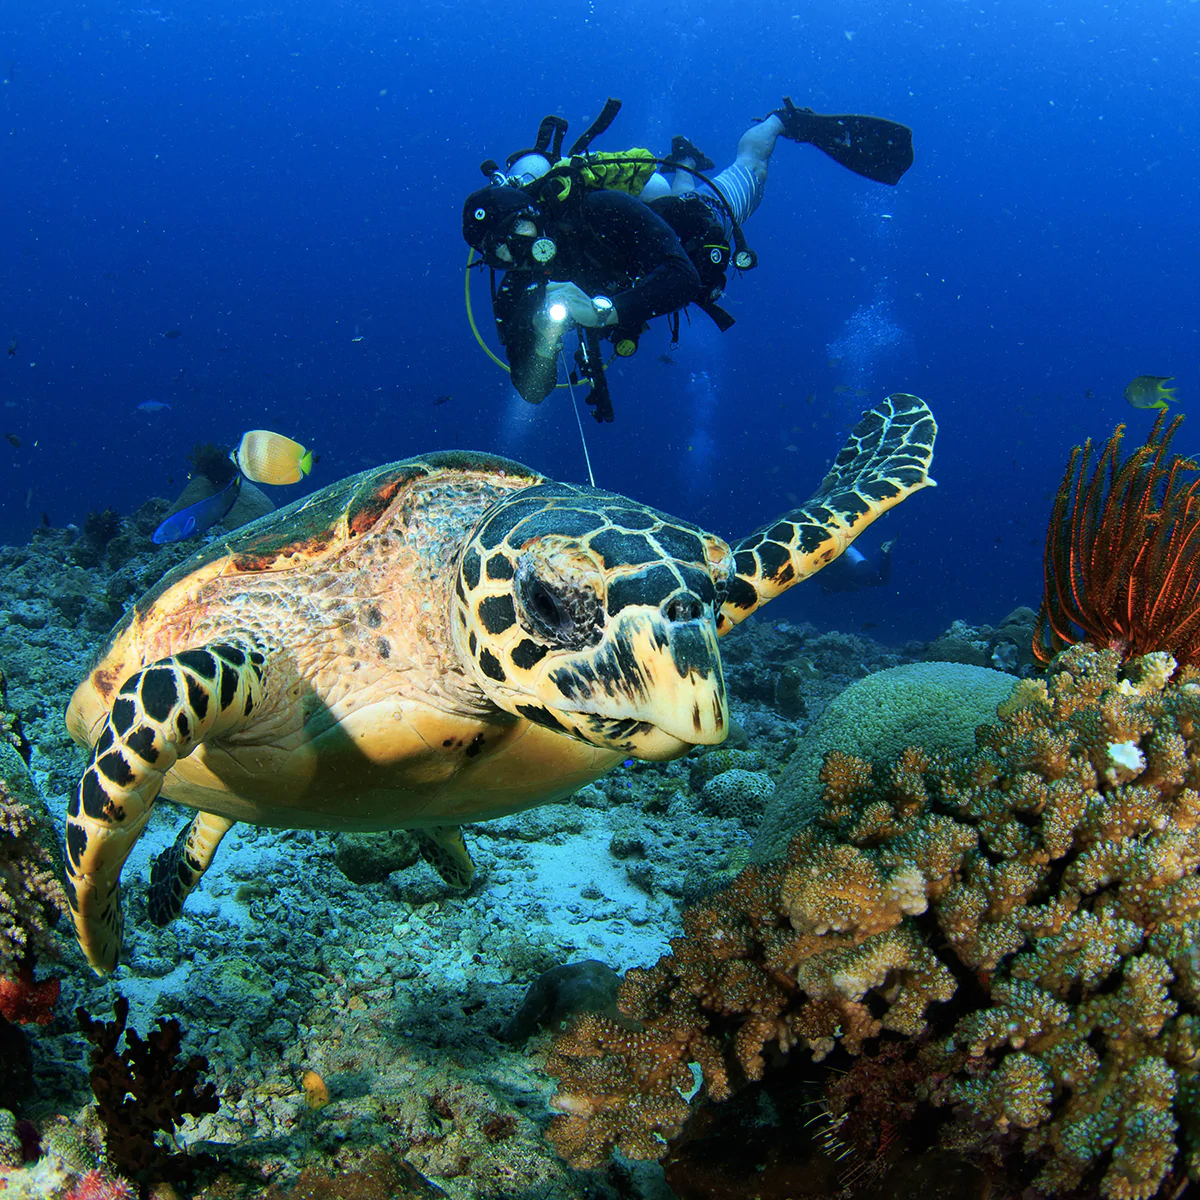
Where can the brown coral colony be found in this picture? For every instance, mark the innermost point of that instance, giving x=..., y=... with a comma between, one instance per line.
x=1004, y=941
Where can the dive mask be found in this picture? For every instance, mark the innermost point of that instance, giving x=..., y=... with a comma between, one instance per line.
x=504, y=225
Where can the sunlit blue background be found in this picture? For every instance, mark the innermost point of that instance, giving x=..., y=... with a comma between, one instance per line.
x=278, y=181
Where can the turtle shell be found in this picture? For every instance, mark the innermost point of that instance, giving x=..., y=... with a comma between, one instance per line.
x=288, y=539
x=306, y=528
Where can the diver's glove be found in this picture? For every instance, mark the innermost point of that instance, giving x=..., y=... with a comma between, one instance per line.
x=582, y=309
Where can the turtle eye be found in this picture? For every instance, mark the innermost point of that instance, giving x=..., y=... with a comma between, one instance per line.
x=564, y=612
x=544, y=609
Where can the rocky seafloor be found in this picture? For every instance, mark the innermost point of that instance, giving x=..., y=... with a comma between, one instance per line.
x=312, y=963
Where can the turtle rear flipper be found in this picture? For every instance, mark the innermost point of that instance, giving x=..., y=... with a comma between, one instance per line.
x=445, y=850
x=885, y=459
x=161, y=714
x=176, y=871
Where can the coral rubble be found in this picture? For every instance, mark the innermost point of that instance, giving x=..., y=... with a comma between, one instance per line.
x=1004, y=941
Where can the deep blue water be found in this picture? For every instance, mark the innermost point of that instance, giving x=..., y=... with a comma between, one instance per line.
x=276, y=181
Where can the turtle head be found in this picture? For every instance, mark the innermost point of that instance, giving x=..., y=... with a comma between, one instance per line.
x=594, y=616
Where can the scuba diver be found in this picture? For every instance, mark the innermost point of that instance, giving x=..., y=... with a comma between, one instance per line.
x=855, y=571
x=605, y=242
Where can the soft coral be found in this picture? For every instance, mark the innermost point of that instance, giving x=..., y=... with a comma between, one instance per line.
x=24, y=1000
x=142, y=1093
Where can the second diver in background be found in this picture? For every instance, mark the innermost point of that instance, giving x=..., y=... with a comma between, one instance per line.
x=605, y=242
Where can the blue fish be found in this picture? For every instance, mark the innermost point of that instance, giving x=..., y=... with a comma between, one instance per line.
x=152, y=406
x=198, y=517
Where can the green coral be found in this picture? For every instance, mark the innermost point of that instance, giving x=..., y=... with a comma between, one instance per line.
x=738, y=794
x=933, y=705
x=716, y=762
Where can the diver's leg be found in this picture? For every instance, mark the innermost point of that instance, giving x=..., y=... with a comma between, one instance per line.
x=885, y=564
x=657, y=186
x=743, y=183
x=684, y=181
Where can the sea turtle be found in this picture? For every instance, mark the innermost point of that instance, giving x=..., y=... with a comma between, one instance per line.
x=439, y=640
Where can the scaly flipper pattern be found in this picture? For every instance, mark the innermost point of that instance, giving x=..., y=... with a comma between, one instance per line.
x=176, y=871
x=445, y=850
x=885, y=459
x=162, y=713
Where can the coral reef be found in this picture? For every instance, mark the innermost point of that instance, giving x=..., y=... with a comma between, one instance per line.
x=739, y=794
x=1007, y=938
x=31, y=896
x=934, y=705
x=212, y=461
x=1121, y=552
x=63, y=1165
x=561, y=992
x=143, y=1093
x=372, y=857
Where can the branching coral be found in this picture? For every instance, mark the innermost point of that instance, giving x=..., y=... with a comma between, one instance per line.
x=1021, y=922
x=1122, y=566
x=31, y=902
x=143, y=1095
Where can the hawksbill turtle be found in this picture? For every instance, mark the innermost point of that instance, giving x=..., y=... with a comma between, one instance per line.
x=436, y=641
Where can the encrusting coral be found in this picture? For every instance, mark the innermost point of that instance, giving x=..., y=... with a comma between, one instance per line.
x=1007, y=940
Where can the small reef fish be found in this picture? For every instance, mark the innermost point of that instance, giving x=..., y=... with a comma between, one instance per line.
x=152, y=406
x=12, y=348
x=266, y=457
x=198, y=517
x=441, y=400
x=1147, y=391
x=173, y=333
x=13, y=440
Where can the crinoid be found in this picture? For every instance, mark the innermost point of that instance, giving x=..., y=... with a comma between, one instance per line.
x=1122, y=567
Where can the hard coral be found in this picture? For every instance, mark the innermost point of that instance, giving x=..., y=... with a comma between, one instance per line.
x=1122, y=565
x=31, y=902
x=1008, y=937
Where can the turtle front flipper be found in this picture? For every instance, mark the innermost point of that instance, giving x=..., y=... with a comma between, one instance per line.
x=161, y=714
x=885, y=459
x=176, y=871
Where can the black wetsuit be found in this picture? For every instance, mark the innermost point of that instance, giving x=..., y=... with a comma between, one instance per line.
x=612, y=245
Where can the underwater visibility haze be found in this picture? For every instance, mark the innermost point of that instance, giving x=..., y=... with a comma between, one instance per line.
x=243, y=216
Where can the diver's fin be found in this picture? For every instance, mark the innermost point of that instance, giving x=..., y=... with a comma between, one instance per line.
x=176, y=871
x=443, y=848
x=869, y=146
x=682, y=148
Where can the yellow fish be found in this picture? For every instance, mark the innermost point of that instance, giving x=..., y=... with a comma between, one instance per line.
x=1147, y=391
x=266, y=457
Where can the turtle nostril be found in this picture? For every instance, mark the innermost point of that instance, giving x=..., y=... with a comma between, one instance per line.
x=683, y=608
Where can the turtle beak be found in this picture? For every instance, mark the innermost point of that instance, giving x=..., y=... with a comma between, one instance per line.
x=653, y=689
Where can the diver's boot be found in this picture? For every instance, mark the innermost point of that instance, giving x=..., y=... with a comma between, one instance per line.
x=869, y=146
x=682, y=150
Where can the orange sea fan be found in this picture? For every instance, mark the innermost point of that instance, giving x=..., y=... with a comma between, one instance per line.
x=1122, y=566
